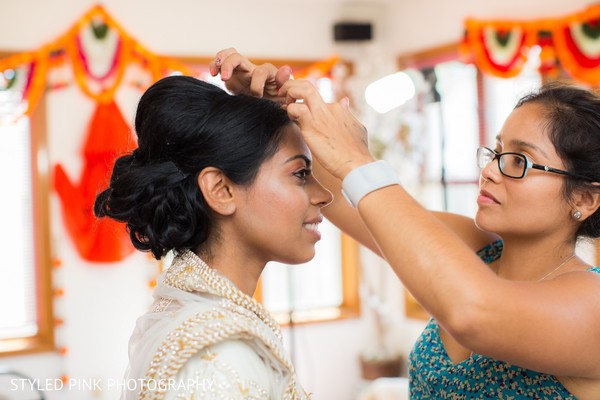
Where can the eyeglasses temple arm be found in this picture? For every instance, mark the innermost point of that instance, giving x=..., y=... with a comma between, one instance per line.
x=559, y=171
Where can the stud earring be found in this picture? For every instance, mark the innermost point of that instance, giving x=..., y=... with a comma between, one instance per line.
x=576, y=215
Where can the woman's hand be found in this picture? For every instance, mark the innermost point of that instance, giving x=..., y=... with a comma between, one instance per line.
x=243, y=77
x=336, y=138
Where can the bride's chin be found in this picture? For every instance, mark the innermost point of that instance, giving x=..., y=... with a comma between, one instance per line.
x=300, y=259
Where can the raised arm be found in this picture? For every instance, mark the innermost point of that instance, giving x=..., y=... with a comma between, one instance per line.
x=244, y=77
x=545, y=326
x=347, y=218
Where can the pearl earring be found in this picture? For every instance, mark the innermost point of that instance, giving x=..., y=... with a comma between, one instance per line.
x=576, y=215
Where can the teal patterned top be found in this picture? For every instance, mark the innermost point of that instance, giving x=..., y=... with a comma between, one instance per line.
x=434, y=376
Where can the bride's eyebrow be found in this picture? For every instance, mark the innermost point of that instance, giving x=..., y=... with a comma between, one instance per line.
x=301, y=156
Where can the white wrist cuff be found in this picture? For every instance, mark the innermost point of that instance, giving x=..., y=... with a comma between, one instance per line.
x=366, y=179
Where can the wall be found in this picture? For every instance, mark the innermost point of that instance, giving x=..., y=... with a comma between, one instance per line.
x=102, y=301
x=268, y=28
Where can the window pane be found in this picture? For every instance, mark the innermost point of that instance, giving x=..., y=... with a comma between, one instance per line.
x=316, y=284
x=457, y=85
x=17, y=276
x=462, y=198
x=501, y=94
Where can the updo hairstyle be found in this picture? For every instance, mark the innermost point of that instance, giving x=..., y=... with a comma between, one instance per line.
x=183, y=126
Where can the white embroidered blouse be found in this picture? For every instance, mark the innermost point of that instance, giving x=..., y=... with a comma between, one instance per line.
x=205, y=339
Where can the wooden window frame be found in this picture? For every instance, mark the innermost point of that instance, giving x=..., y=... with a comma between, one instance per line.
x=350, y=307
x=426, y=59
x=43, y=340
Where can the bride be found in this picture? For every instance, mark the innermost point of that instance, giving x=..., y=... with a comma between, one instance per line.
x=224, y=183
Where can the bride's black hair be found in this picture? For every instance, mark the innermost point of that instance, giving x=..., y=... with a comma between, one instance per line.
x=183, y=126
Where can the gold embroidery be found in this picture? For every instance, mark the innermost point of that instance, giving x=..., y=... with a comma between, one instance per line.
x=191, y=274
x=208, y=355
x=240, y=318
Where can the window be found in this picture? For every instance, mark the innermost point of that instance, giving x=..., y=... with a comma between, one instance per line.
x=460, y=110
x=18, y=281
x=451, y=128
x=501, y=95
x=326, y=288
x=26, y=324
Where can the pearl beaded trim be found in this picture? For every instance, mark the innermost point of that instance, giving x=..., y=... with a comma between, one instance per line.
x=241, y=317
x=191, y=274
x=199, y=332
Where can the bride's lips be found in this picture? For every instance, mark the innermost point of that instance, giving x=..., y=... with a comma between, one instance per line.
x=313, y=226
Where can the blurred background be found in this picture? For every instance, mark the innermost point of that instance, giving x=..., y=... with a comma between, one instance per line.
x=431, y=81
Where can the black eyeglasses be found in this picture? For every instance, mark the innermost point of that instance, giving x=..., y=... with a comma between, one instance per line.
x=515, y=165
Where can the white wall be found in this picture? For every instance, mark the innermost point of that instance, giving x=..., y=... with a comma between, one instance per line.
x=267, y=28
x=102, y=301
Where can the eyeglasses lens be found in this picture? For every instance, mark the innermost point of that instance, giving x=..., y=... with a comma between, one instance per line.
x=512, y=165
x=484, y=157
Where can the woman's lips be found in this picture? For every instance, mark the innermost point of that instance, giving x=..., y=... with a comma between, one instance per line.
x=486, y=198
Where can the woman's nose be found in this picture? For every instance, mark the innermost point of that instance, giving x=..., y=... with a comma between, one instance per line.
x=491, y=171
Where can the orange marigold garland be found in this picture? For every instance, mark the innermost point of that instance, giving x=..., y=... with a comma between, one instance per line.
x=577, y=44
x=549, y=65
x=111, y=79
x=34, y=65
x=97, y=34
x=500, y=48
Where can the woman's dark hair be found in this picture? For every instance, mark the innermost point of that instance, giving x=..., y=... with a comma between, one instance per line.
x=572, y=117
x=183, y=126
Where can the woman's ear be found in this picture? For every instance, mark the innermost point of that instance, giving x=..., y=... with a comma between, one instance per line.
x=586, y=202
x=217, y=190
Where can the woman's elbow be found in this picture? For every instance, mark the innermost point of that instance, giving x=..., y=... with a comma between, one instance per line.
x=466, y=322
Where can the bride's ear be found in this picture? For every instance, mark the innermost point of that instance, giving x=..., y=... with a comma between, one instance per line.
x=217, y=190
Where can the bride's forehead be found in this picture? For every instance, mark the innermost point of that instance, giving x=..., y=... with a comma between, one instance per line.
x=292, y=139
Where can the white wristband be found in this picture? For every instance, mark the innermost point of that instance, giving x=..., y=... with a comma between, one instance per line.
x=366, y=179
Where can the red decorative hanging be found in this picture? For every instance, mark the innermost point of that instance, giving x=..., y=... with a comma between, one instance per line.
x=500, y=48
x=108, y=135
x=101, y=240
x=578, y=47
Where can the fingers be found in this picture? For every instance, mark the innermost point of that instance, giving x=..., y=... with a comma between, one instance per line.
x=301, y=90
x=227, y=61
x=345, y=103
x=267, y=80
x=215, y=65
x=260, y=76
x=235, y=61
x=283, y=75
x=298, y=112
x=302, y=112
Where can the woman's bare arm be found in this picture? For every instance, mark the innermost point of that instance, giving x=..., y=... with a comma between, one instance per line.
x=347, y=218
